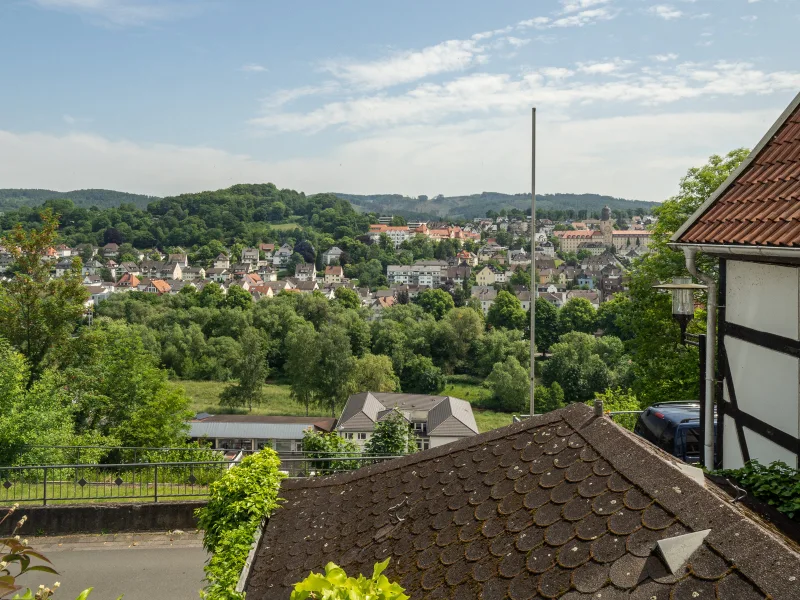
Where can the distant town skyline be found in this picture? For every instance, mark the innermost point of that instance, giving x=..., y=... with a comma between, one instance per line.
x=412, y=98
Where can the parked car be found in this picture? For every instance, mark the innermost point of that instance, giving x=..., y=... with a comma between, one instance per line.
x=673, y=427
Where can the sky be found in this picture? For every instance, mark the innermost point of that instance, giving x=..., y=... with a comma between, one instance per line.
x=416, y=97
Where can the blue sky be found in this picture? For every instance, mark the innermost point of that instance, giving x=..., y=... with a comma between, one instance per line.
x=172, y=96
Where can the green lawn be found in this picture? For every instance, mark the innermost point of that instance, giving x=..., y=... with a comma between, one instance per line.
x=205, y=398
x=277, y=401
x=286, y=226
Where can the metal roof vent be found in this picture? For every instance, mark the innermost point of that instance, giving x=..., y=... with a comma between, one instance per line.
x=676, y=551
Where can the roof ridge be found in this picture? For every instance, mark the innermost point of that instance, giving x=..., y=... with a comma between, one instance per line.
x=576, y=415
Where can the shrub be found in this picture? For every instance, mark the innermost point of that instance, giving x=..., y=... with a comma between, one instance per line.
x=777, y=484
x=237, y=503
x=336, y=585
x=619, y=399
x=317, y=444
x=392, y=437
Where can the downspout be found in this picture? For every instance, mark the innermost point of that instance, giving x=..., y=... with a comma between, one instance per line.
x=711, y=343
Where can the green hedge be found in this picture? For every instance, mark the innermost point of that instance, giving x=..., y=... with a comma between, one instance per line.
x=238, y=502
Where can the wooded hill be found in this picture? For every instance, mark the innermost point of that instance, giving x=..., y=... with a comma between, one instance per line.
x=476, y=205
x=11, y=199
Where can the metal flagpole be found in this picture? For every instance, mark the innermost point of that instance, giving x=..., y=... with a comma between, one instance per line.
x=534, y=283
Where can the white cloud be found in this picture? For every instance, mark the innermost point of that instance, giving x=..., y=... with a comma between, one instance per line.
x=665, y=11
x=404, y=67
x=750, y=18
x=124, y=12
x=517, y=42
x=69, y=119
x=585, y=17
x=253, y=68
x=602, y=68
x=538, y=22
x=577, y=5
x=608, y=155
x=665, y=57
x=498, y=94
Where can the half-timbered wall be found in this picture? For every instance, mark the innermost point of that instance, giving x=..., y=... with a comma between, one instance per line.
x=760, y=363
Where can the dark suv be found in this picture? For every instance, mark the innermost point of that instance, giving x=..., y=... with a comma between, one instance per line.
x=674, y=427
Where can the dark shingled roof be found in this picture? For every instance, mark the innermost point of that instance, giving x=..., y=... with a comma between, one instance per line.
x=564, y=505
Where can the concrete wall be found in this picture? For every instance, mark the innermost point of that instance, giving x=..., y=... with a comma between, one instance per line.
x=108, y=518
x=765, y=298
x=438, y=440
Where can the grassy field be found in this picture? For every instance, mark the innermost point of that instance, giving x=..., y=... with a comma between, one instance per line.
x=286, y=226
x=205, y=398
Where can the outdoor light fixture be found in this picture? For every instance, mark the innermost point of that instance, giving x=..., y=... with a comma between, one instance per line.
x=682, y=290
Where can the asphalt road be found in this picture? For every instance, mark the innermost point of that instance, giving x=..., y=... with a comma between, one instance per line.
x=141, y=570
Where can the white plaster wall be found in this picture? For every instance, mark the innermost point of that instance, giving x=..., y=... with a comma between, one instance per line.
x=437, y=441
x=763, y=297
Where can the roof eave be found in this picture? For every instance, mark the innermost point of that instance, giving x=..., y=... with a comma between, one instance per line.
x=740, y=250
x=744, y=165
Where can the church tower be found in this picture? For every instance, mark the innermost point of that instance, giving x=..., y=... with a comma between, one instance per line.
x=606, y=226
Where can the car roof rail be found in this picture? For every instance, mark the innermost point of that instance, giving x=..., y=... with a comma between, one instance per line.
x=673, y=402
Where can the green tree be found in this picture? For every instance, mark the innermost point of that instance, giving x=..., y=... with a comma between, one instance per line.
x=38, y=313
x=435, y=302
x=421, y=376
x=238, y=297
x=509, y=382
x=577, y=314
x=613, y=317
x=251, y=372
x=506, y=311
x=392, y=436
x=334, y=369
x=212, y=295
x=546, y=325
x=549, y=399
x=302, y=357
x=619, y=400
x=373, y=373
x=347, y=298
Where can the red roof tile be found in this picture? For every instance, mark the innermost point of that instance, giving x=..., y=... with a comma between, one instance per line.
x=761, y=207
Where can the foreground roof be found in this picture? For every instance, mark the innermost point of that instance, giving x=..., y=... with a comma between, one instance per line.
x=759, y=204
x=564, y=505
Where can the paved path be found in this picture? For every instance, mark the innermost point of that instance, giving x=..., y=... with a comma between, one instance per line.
x=150, y=566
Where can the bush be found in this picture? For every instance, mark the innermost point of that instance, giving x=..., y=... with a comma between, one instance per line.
x=237, y=503
x=336, y=585
x=392, y=437
x=619, y=399
x=777, y=484
x=318, y=444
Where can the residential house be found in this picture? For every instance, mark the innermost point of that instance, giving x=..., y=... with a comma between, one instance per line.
x=97, y=293
x=398, y=274
x=130, y=267
x=305, y=272
x=592, y=296
x=563, y=505
x=306, y=287
x=332, y=256
x=267, y=273
x=222, y=262
x=157, y=286
x=92, y=280
x=261, y=291
x=92, y=267
x=555, y=298
x=749, y=224
x=239, y=270
x=435, y=420
x=397, y=234
x=546, y=248
x=585, y=279
x=612, y=281
x=127, y=282
x=64, y=251
x=256, y=432
x=171, y=270
x=63, y=267
x=458, y=274
x=470, y=258
x=110, y=250
x=193, y=273
x=595, y=248
x=180, y=258
x=250, y=255
x=267, y=249
x=219, y=275
x=485, y=295
x=150, y=268
x=486, y=276
x=524, y=297
x=518, y=257
x=282, y=255
x=500, y=276
x=333, y=274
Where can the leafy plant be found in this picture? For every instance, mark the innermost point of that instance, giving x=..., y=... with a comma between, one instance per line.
x=619, y=400
x=777, y=484
x=391, y=437
x=237, y=503
x=336, y=585
x=318, y=444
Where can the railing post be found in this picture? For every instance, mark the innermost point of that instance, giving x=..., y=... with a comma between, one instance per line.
x=44, y=488
x=155, y=481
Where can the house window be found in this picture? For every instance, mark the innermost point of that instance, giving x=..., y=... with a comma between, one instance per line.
x=261, y=444
x=423, y=443
x=284, y=445
x=362, y=436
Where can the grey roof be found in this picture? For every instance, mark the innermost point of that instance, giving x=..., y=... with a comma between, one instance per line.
x=279, y=431
x=434, y=409
x=451, y=407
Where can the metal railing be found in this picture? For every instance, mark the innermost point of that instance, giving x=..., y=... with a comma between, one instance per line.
x=77, y=455
x=148, y=481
